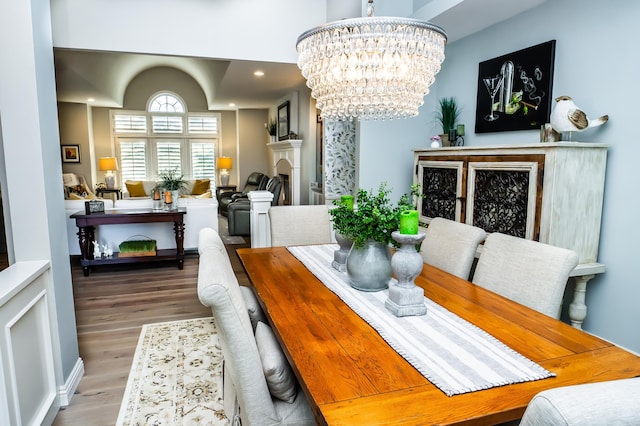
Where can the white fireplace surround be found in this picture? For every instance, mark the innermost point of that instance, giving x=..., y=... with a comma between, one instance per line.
x=288, y=150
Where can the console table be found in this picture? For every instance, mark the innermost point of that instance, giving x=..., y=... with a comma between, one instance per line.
x=86, y=224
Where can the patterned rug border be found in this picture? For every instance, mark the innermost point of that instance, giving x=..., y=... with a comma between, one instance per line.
x=175, y=376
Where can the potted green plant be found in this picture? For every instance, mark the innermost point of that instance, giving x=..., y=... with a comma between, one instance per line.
x=171, y=181
x=447, y=116
x=272, y=128
x=369, y=226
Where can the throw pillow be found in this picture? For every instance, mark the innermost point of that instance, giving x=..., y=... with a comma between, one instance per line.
x=200, y=186
x=135, y=188
x=277, y=371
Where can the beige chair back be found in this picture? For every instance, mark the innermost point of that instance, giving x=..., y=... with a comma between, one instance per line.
x=299, y=225
x=528, y=272
x=451, y=246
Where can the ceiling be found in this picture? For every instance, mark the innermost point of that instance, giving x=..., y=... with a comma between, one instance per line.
x=104, y=76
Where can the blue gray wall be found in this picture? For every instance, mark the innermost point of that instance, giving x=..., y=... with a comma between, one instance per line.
x=596, y=63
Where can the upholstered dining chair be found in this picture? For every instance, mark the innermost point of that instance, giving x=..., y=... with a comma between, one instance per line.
x=299, y=225
x=451, y=246
x=528, y=272
x=613, y=402
x=259, y=385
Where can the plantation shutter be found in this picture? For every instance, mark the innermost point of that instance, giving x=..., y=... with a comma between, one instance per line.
x=133, y=160
x=203, y=163
x=201, y=124
x=166, y=124
x=130, y=123
x=168, y=156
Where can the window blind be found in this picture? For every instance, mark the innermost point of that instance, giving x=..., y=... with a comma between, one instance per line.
x=203, y=160
x=202, y=124
x=133, y=160
x=168, y=156
x=166, y=124
x=130, y=123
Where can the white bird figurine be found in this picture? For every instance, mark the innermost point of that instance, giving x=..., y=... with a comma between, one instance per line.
x=567, y=117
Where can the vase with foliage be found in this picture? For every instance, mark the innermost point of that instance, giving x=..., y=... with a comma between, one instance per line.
x=447, y=115
x=172, y=180
x=272, y=129
x=369, y=226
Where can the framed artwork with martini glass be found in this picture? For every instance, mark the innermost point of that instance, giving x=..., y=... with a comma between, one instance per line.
x=514, y=90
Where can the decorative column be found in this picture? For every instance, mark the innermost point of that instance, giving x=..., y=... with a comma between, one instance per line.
x=339, y=159
x=259, y=217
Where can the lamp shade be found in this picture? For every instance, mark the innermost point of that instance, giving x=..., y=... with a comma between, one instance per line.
x=108, y=163
x=224, y=163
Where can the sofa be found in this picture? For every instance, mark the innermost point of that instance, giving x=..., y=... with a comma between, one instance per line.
x=144, y=188
x=202, y=212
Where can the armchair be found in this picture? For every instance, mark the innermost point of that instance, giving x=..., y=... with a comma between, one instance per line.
x=255, y=182
x=239, y=209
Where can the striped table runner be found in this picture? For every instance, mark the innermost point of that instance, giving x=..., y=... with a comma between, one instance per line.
x=453, y=354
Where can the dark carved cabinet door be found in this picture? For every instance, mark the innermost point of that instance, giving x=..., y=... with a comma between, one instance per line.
x=497, y=194
x=502, y=197
x=441, y=185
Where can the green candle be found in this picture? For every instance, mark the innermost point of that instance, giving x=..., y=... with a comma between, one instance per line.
x=347, y=201
x=409, y=222
x=460, y=130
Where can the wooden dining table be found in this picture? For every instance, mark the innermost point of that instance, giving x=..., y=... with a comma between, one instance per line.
x=351, y=376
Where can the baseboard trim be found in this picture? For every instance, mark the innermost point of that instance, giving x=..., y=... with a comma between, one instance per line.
x=66, y=392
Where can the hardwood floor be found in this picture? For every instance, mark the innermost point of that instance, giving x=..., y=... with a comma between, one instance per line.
x=111, y=306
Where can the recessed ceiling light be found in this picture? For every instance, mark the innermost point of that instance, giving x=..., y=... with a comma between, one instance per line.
x=232, y=104
x=258, y=73
x=90, y=100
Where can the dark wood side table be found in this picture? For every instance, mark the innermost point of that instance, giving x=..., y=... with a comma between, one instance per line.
x=86, y=224
x=101, y=191
x=224, y=188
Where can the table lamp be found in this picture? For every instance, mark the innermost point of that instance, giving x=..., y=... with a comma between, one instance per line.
x=224, y=164
x=108, y=164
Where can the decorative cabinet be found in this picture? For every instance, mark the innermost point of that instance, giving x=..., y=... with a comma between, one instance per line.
x=548, y=192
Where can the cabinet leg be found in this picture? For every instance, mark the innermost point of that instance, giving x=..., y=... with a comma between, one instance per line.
x=578, y=308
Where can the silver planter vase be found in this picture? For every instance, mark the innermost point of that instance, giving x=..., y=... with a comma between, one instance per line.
x=369, y=266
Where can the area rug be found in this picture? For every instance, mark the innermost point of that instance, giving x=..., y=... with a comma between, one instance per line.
x=176, y=376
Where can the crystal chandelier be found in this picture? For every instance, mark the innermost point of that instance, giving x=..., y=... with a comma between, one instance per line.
x=371, y=68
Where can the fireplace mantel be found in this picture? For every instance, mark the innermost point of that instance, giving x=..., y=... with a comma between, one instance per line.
x=288, y=150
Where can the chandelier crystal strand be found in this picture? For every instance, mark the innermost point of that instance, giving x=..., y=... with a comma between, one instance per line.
x=371, y=68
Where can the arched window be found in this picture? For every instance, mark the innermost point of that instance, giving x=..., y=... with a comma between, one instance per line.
x=166, y=137
x=166, y=102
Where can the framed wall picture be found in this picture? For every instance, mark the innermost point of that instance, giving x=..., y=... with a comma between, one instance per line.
x=514, y=90
x=283, y=121
x=70, y=153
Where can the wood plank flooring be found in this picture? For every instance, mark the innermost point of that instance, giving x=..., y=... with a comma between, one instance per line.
x=111, y=306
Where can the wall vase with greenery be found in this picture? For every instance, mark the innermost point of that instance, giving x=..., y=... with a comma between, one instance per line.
x=369, y=226
x=172, y=180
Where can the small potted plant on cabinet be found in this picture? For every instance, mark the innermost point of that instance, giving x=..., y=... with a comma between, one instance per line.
x=447, y=116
